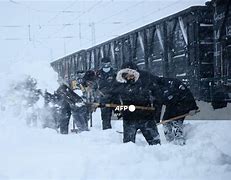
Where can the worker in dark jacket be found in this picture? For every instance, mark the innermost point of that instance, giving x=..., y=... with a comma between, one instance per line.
x=61, y=111
x=80, y=112
x=134, y=87
x=105, y=78
x=179, y=101
x=64, y=111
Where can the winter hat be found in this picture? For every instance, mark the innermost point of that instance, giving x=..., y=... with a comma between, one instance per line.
x=105, y=60
x=130, y=65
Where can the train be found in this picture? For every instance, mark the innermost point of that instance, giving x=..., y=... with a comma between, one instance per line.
x=193, y=45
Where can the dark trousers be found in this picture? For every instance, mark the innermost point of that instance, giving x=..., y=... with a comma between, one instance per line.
x=65, y=114
x=106, y=114
x=148, y=129
x=64, y=122
x=173, y=129
x=80, y=118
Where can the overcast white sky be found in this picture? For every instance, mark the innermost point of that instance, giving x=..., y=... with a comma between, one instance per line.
x=47, y=30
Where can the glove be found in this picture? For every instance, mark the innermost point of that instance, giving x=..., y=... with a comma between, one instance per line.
x=192, y=112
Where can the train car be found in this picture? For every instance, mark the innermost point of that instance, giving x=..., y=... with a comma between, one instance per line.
x=222, y=49
x=180, y=45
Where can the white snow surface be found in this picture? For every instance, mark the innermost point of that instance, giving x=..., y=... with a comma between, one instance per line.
x=36, y=153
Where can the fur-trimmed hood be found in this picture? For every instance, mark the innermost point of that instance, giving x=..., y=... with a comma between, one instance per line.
x=120, y=79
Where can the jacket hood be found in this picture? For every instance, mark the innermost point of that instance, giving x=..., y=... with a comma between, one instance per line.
x=120, y=79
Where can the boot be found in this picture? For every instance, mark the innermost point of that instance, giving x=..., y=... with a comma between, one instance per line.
x=168, y=132
x=178, y=133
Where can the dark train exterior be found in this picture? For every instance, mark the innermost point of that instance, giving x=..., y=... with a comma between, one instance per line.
x=185, y=45
x=222, y=46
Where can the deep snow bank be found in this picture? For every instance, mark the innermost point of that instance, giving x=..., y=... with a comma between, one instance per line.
x=32, y=153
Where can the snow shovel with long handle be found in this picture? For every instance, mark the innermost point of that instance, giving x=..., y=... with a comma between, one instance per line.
x=175, y=118
x=169, y=120
x=108, y=105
